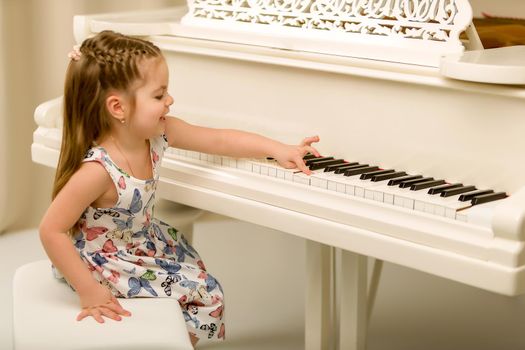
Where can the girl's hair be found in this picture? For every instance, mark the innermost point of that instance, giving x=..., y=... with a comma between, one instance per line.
x=108, y=61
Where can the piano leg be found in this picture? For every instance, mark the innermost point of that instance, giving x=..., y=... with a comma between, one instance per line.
x=319, y=291
x=353, y=301
x=372, y=288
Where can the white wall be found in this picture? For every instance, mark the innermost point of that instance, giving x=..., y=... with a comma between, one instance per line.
x=507, y=8
x=3, y=127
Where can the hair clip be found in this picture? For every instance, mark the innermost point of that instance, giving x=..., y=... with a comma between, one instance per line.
x=75, y=53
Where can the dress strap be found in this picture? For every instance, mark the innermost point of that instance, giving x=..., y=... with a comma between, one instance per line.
x=99, y=155
x=158, y=146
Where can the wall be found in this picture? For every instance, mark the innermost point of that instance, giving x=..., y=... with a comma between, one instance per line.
x=506, y=8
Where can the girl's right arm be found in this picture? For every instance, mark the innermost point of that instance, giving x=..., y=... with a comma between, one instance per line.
x=84, y=187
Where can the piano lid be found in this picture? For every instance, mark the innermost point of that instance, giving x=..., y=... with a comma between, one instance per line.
x=408, y=31
x=504, y=65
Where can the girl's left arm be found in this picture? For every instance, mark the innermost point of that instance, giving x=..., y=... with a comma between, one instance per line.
x=237, y=144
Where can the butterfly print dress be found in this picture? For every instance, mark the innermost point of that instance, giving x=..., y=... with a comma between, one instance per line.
x=136, y=255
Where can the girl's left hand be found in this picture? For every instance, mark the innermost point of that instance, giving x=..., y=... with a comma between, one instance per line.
x=291, y=156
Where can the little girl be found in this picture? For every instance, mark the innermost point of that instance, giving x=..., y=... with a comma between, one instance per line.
x=99, y=231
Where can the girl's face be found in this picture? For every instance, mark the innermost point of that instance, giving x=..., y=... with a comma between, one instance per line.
x=152, y=100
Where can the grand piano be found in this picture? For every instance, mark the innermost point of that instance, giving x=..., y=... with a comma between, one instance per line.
x=421, y=130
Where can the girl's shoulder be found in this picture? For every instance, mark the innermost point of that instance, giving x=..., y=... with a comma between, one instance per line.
x=90, y=180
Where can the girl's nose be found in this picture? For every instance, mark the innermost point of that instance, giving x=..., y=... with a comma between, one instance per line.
x=169, y=100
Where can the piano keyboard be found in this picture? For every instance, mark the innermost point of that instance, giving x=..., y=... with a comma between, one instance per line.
x=371, y=182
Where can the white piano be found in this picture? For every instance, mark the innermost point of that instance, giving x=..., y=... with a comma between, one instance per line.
x=389, y=86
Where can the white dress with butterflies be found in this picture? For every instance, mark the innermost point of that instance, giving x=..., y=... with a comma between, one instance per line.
x=136, y=255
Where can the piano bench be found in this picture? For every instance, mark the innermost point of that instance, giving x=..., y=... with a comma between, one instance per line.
x=45, y=310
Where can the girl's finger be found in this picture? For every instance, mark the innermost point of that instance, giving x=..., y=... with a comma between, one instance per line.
x=312, y=150
x=110, y=313
x=83, y=314
x=309, y=140
x=95, y=312
x=116, y=307
x=300, y=164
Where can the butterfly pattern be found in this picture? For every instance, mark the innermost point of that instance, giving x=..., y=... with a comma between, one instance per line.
x=136, y=255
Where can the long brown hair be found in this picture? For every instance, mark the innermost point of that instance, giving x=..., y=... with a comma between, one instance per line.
x=108, y=61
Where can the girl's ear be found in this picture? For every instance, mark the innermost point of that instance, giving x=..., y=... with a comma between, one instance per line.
x=116, y=106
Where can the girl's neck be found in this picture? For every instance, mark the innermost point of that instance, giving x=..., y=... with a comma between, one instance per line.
x=126, y=142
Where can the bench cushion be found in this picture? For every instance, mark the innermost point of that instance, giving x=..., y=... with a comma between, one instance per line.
x=45, y=310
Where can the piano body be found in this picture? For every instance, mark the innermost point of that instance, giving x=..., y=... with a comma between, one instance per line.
x=377, y=99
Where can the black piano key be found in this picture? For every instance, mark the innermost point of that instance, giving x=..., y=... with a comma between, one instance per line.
x=371, y=174
x=360, y=171
x=316, y=159
x=455, y=191
x=309, y=156
x=350, y=167
x=397, y=181
x=383, y=177
x=439, y=189
x=324, y=163
x=409, y=183
x=485, y=198
x=426, y=184
x=468, y=196
x=340, y=165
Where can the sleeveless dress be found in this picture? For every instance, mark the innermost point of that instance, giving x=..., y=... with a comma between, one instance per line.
x=136, y=255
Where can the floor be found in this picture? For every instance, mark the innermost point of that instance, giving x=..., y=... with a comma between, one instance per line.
x=413, y=311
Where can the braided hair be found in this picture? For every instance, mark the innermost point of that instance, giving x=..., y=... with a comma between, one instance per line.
x=108, y=61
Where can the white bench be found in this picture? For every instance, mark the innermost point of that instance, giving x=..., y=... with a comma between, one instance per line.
x=45, y=310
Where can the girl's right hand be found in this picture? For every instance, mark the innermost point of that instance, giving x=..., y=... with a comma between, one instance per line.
x=97, y=302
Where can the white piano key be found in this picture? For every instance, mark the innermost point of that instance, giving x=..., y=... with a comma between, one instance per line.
x=301, y=178
x=315, y=182
x=192, y=154
x=441, y=206
x=321, y=179
x=461, y=217
x=359, y=191
x=419, y=205
x=429, y=208
x=408, y=203
x=439, y=210
x=480, y=215
x=272, y=171
x=244, y=164
x=204, y=157
x=378, y=196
